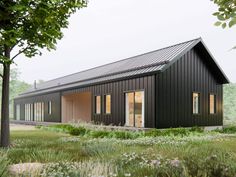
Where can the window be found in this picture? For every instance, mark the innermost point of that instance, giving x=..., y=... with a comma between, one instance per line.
x=39, y=112
x=196, y=103
x=212, y=103
x=49, y=107
x=18, y=112
x=28, y=112
x=98, y=104
x=134, y=109
x=107, y=104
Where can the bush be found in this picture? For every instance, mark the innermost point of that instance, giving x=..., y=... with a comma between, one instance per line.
x=77, y=131
x=65, y=127
x=124, y=135
x=230, y=129
x=176, y=132
x=168, y=132
x=153, y=133
x=197, y=129
x=98, y=134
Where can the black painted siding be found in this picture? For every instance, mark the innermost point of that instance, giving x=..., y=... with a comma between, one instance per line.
x=117, y=91
x=56, y=106
x=174, y=88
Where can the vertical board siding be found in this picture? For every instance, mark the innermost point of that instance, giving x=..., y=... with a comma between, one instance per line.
x=55, y=98
x=174, y=88
x=116, y=89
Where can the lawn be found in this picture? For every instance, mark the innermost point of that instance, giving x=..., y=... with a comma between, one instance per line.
x=169, y=154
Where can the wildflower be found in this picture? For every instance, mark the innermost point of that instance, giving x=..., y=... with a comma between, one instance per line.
x=175, y=163
x=155, y=162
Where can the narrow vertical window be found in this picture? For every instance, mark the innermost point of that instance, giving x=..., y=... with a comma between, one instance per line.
x=107, y=104
x=98, y=104
x=212, y=103
x=18, y=112
x=196, y=103
x=49, y=107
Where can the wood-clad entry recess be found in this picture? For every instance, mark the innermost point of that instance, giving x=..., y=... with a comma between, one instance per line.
x=76, y=107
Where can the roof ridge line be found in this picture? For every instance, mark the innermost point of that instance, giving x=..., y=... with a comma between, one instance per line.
x=199, y=38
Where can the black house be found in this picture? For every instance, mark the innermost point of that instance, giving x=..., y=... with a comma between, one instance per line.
x=180, y=85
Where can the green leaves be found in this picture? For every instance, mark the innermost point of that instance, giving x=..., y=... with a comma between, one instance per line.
x=226, y=13
x=218, y=23
x=32, y=25
x=232, y=23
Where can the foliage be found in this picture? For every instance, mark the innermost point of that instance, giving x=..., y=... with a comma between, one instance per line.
x=75, y=169
x=228, y=130
x=98, y=134
x=198, y=154
x=125, y=134
x=27, y=27
x=226, y=13
x=129, y=135
x=119, y=134
x=229, y=104
x=33, y=25
x=77, y=131
x=4, y=162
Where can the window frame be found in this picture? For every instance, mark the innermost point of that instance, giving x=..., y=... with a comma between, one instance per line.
x=18, y=112
x=95, y=105
x=215, y=110
x=199, y=103
x=144, y=104
x=105, y=102
x=49, y=107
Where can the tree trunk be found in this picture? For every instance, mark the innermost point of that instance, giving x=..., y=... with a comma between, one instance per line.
x=5, y=127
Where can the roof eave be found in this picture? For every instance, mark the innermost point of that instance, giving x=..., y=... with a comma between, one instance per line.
x=199, y=40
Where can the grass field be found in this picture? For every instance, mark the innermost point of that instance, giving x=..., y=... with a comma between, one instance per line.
x=195, y=154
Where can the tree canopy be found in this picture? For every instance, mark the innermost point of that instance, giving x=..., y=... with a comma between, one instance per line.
x=32, y=25
x=27, y=27
x=226, y=13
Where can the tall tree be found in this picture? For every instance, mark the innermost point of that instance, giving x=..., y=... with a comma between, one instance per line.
x=226, y=13
x=26, y=27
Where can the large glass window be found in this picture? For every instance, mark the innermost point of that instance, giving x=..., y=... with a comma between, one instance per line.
x=135, y=109
x=98, y=104
x=212, y=103
x=196, y=103
x=107, y=104
x=28, y=112
x=39, y=112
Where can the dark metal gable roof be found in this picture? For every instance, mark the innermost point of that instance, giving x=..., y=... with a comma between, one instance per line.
x=154, y=61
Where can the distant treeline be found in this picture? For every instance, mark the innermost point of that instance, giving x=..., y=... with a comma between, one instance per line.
x=230, y=104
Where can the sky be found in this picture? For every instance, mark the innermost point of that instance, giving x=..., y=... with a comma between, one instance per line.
x=110, y=30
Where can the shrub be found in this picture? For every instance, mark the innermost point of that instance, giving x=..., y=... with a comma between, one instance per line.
x=98, y=134
x=230, y=129
x=168, y=132
x=77, y=131
x=197, y=129
x=153, y=133
x=65, y=127
x=124, y=135
x=176, y=132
